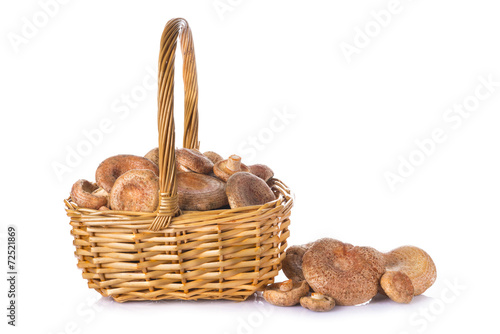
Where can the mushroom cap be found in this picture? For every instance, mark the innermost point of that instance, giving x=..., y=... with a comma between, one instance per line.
x=397, y=286
x=84, y=194
x=136, y=190
x=415, y=263
x=262, y=171
x=111, y=168
x=317, y=302
x=180, y=168
x=292, y=263
x=225, y=168
x=348, y=274
x=274, y=295
x=194, y=160
x=200, y=192
x=245, y=189
x=154, y=156
x=214, y=157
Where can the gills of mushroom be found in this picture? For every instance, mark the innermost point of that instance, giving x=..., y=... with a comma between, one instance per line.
x=225, y=168
x=287, y=293
x=87, y=195
x=317, y=302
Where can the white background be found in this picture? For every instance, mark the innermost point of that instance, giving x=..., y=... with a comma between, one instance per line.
x=350, y=120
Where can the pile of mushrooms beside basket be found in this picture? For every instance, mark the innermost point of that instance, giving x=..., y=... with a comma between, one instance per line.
x=204, y=182
x=342, y=274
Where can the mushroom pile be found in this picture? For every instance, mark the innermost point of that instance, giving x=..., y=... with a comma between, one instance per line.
x=204, y=182
x=342, y=274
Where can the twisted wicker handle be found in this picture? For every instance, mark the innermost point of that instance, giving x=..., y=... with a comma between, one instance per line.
x=168, y=206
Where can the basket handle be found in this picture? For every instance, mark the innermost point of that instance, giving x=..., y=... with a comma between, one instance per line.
x=176, y=28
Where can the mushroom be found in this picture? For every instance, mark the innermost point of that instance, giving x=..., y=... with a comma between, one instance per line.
x=348, y=274
x=225, y=168
x=415, y=263
x=200, y=192
x=111, y=168
x=136, y=190
x=153, y=155
x=262, y=171
x=398, y=286
x=292, y=264
x=194, y=160
x=245, y=189
x=317, y=302
x=214, y=157
x=287, y=293
x=84, y=194
x=180, y=168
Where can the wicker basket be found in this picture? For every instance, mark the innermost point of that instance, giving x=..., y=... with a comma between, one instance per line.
x=169, y=254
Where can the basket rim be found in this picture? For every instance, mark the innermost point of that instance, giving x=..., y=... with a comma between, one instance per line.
x=91, y=217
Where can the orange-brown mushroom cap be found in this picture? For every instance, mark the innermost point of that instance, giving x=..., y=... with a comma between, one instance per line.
x=348, y=274
x=262, y=171
x=200, y=192
x=153, y=155
x=194, y=160
x=397, y=286
x=136, y=190
x=245, y=189
x=213, y=156
x=83, y=194
x=415, y=263
x=285, y=297
x=111, y=168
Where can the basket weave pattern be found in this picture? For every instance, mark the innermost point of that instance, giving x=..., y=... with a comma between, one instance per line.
x=169, y=254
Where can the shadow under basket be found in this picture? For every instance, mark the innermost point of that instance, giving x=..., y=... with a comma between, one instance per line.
x=169, y=254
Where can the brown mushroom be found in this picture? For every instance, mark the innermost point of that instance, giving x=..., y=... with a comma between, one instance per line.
x=348, y=274
x=153, y=155
x=111, y=168
x=262, y=171
x=292, y=264
x=317, y=302
x=136, y=190
x=287, y=293
x=415, y=263
x=245, y=189
x=225, y=168
x=200, y=192
x=180, y=168
x=84, y=194
x=214, y=157
x=398, y=286
x=194, y=160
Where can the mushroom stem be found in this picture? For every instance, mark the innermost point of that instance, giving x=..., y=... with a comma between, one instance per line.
x=234, y=163
x=316, y=295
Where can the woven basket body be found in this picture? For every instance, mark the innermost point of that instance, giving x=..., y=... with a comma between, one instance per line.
x=169, y=254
